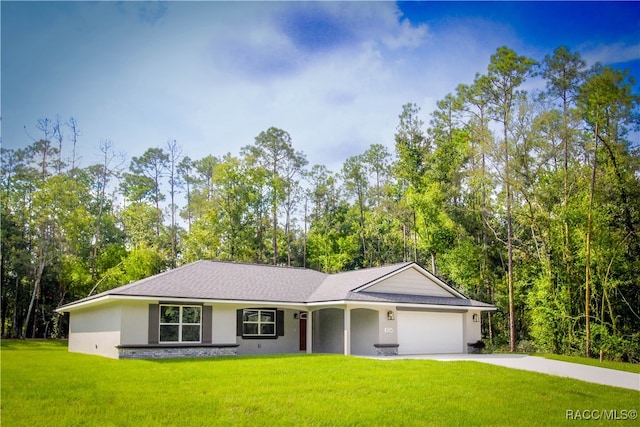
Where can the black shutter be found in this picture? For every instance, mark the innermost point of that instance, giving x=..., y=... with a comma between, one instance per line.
x=154, y=323
x=239, y=323
x=280, y=323
x=206, y=324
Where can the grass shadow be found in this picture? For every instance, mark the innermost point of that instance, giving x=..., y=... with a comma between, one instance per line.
x=32, y=344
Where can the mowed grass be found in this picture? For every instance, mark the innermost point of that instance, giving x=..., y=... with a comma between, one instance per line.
x=43, y=384
x=609, y=364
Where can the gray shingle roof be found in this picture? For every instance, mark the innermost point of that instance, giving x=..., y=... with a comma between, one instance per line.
x=416, y=299
x=218, y=280
x=228, y=281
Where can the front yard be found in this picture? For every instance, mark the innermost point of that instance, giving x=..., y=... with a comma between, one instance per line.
x=43, y=384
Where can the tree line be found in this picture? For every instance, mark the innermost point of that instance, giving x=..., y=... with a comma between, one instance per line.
x=529, y=200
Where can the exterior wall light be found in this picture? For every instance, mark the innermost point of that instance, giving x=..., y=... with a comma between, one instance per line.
x=476, y=318
x=390, y=315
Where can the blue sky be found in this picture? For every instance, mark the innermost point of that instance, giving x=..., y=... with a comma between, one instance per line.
x=213, y=75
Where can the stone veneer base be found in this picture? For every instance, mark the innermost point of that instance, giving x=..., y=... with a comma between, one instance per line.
x=165, y=352
x=386, y=349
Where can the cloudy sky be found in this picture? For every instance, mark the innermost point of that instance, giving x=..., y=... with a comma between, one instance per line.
x=213, y=75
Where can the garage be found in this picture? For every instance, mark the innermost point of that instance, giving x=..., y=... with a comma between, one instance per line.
x=430, y=332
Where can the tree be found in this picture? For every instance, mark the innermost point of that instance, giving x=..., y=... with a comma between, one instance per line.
x=564, y=73
x=143, y=182
x=153, y=165
x=475, y=102
x=506, y=72
x=101, y=175
x=72, y=124
x=331, y=245
x=234, y=192
x=444, y=177
x=41, y=221
x=412, y=146
x=15, y=240
x=607, y=104
x=354, y=174
x=377, y=160
x=174, y=155
x=412, y=151
x=274, y=152
x=185, y=171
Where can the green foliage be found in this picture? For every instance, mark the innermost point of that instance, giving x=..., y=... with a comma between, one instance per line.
x=333, y=244
x=139, y=263
x=143, y=262
x=203, y=240
x=411, y=145
x=615, y=347
x=75, y=274
x=138, y=220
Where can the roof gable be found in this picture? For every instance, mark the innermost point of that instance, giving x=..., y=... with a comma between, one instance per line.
x=412, y=280
x=336, y=287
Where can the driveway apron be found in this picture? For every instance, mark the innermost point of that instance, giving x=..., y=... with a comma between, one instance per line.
x=593, y=374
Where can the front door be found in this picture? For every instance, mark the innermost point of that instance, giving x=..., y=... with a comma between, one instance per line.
x=303, y=330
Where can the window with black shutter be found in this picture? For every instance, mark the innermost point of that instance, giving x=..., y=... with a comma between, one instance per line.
x=265, y=323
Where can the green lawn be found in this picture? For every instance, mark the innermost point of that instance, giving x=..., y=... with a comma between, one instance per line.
x=43, y=384
x=620, y=366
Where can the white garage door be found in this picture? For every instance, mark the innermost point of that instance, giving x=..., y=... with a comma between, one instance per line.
x=423, y=332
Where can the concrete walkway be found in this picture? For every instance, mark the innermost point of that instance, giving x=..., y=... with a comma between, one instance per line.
x=586, y=373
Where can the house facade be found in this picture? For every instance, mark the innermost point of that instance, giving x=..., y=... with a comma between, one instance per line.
x=211, y=308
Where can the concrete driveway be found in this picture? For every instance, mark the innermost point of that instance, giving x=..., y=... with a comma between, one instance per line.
x=586, y=373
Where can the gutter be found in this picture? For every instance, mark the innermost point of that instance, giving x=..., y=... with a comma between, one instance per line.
x=113, y=298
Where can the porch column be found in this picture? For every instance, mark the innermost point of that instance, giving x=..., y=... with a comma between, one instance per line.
x=347, y=331
x=309, y=332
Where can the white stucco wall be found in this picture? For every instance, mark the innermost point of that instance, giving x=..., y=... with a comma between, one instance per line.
x=364, y=331
x=472, y=329
x=95, y=331
x=328, y=330
x=135, y=322
x=100, y=329
x=289, y=343
x=388, y=330
x=224, y=324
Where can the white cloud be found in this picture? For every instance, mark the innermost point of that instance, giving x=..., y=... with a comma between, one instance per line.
x=407, y=35
x=213, y=75
x=615, y=53
x=335, y=102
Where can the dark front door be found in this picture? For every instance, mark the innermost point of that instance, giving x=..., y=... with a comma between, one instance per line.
x=303, y=331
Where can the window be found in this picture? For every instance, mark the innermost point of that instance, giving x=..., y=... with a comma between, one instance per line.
x=180, y=323
x=259, y=323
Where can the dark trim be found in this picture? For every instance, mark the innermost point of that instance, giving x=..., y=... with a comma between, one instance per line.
x=279, y=323
x=185, y=302
x=206, y=320
x=178, y=345
x=207, y=324
x=239, y=322
x=259, y=337
x=386, y=345
x=433, y=310
x=154, y=324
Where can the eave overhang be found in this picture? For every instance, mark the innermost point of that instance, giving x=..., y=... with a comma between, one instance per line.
x=106, y=299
